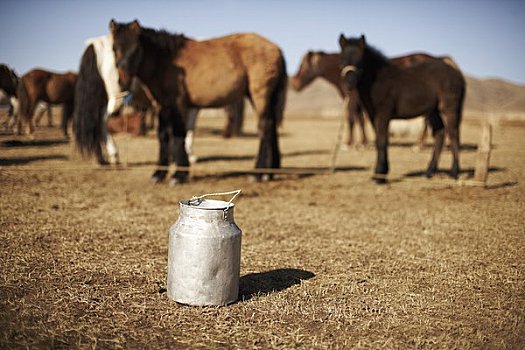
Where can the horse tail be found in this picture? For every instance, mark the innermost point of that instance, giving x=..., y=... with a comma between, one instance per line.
x=278, y=99
x=90, y=106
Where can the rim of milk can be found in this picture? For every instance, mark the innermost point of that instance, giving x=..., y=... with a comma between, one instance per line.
x=198, y=202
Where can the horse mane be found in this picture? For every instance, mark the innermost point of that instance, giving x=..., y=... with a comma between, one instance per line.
x=163, y=39
x=374, y=58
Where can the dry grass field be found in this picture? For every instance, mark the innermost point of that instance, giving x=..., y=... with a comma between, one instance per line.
x=328, y=261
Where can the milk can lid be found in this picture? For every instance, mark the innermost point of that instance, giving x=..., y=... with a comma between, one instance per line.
x=209, y=204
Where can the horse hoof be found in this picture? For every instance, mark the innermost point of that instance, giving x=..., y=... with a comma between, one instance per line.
x=193, y=159
x=379, y=180
x=266, y=177
x=158, y=176
x=178, y=180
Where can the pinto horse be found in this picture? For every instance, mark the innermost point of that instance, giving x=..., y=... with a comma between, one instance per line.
x=52, y=88
x=183, y=73
x=98, y=95
x=433, y=88
x=316, y=64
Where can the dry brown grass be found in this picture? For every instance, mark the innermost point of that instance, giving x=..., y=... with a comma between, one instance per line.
x=328, y=261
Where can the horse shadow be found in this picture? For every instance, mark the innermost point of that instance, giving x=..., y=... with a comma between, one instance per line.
x=293, y=171
x=217, y=158
x=264, y=283
x=211, y=131
x=468, y=172
x=27, y=160
x=33, y=143
x=411, y=145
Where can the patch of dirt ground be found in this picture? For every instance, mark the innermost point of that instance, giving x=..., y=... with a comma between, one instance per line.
x=329, y=261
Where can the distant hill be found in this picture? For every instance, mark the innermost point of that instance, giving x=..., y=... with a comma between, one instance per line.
x=492, y=95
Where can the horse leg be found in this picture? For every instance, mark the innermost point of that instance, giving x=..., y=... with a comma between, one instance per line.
x=452, y=129
x=438, y=132
x=39, y=113
x=178, y=130
x=362, y=123
x=50, y=115
x=234, y=121
x=112, y=150
x=67, y=115
x=163, y=135
x=191, y=120
x=351, y=112
x=27, y=120
x=381, y=127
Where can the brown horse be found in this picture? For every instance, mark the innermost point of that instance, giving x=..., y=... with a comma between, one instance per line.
x=53, y=88
x=433, y=88
x=316, y=64
x=182, y=73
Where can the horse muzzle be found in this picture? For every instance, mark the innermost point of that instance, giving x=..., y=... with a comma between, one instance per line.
x=124, y=80
x=349, y=77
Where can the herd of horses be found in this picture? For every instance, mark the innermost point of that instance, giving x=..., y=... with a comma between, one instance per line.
x=174, y=76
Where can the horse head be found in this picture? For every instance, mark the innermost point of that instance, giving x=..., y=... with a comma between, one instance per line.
x=128, y=51
x=308, y=70
x=8, y=80
x=352, y=52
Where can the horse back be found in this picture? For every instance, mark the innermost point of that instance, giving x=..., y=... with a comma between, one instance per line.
x=218, y=71
x=417, y=89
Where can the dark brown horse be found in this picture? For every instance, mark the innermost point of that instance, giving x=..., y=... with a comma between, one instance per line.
x=9, y=84
x=182, y=73
x=53, y=88
x=433, y=88
x=328, y=66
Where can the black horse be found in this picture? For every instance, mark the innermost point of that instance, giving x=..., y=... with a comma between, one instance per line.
x=9, y=84
x=182, y=73
x=433, y=88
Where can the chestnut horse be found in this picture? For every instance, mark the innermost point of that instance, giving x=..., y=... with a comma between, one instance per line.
x=433, y=88
x=316, y=64
x=53, y=88
x=183, y=73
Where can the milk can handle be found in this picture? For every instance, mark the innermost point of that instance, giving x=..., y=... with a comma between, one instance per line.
x=235, y=194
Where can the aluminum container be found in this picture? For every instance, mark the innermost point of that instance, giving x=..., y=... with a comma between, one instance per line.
x=204, y=254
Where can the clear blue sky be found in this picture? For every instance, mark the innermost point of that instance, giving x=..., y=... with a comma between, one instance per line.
x=485, y=37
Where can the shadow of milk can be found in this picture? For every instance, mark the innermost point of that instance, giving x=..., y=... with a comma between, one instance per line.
x=204, y=253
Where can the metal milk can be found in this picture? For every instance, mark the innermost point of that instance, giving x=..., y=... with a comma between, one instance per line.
x=204, y=253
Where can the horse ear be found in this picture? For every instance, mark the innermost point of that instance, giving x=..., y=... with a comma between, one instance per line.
x=113, y=26
x=135, y=26
x=342, y=40
x=362, y=41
